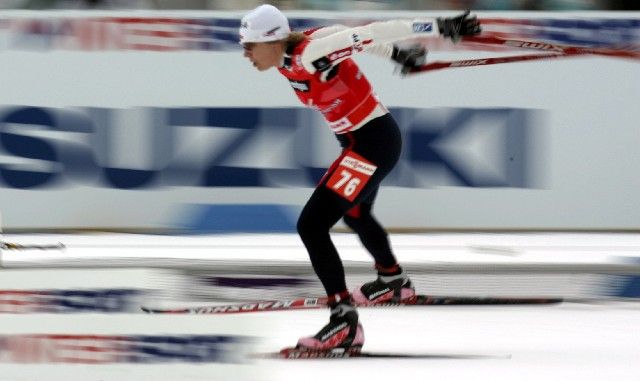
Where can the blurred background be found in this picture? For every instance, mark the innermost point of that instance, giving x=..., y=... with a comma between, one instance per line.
x=144, y=162
x=529, y=5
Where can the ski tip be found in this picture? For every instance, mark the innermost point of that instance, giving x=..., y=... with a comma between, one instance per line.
x=463, y=300
x=150, y=310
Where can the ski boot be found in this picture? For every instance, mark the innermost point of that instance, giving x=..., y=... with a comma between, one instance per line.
x=343, y=333
x=385, y=289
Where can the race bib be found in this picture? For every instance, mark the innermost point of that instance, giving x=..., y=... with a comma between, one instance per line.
x=351, y=176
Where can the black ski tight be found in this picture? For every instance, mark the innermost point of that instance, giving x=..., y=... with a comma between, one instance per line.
x=378, y=143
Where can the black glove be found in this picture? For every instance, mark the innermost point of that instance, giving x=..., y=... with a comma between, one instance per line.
x=457, y=27
x=409, y=57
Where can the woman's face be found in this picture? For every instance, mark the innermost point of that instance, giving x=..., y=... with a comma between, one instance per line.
x=264, y=55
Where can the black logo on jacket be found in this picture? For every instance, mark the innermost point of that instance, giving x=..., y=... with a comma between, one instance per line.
x=322, y=64
x=300, y=85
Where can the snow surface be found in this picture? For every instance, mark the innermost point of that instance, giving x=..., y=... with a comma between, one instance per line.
x=570, y=341
x=564, y=342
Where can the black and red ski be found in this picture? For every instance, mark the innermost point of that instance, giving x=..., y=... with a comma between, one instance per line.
x=293, y=353
x=321, y=302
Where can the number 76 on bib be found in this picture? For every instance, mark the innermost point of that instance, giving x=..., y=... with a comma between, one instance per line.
x=351, y=176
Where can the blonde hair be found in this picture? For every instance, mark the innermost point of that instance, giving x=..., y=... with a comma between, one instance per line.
x=294, y=39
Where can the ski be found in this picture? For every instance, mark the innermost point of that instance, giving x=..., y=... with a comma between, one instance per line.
x=294, y=353
x=320, y=302
x=17, y=246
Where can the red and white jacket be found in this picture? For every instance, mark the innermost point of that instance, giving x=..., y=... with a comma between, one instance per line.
x=324, y=76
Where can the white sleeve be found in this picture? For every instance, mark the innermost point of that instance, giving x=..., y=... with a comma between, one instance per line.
x=328, y=30
x=382, y=50
x=376, y=37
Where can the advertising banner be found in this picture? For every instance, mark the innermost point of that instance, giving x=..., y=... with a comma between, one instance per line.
x=157, y=122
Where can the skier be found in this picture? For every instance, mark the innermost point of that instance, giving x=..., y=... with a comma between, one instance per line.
x=320, y=70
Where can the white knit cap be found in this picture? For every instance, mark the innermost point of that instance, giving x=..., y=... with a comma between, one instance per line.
x=265, y=23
